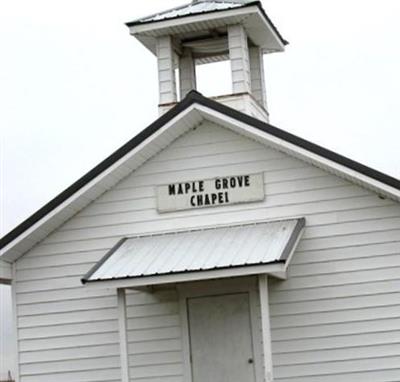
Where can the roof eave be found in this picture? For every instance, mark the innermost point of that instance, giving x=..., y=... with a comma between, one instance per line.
x=144, y=28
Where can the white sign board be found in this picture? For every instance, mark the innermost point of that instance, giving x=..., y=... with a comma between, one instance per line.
x=210, y=192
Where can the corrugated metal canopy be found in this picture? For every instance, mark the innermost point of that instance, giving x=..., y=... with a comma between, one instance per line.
x=199, y=250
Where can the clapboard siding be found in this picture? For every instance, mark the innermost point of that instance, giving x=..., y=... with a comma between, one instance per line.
x=66, y=306
x=319, y=211
x=127, y=229
x=68, y=342
x=276, y=208
x=329, y=330
x=383, y=375
x=342, y=304
x=173, y=378
x=161, y=358
x=61, y=295
x=52, y=331
x=341, y=354
x=337, y=317
x=69, y=354
x=65, y=366
x=94, y=375
x=347, y=253
x=53, y=272
x=326, y=368
x=62, y=259
x=152, y=318
x=335, y=342
x=129, y=214
x=335, y=292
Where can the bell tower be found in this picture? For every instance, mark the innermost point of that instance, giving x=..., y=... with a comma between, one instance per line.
x=206, y=31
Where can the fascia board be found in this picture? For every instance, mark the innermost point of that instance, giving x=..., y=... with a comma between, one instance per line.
x=272, y=30
x=298, y=152
x=8, y=253
x=271, y=269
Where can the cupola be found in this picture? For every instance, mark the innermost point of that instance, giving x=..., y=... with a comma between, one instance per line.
x=206, y=31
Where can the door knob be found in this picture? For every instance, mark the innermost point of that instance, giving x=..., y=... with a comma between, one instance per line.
x=250, y=360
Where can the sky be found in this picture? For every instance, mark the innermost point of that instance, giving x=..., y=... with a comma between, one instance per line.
x=74, y=86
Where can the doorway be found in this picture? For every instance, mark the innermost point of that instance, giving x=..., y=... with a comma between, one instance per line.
x=220, y=338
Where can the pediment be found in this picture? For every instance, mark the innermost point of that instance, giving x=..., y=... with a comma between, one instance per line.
x=193, y=111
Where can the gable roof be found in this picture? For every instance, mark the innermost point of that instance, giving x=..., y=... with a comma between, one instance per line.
x=192, y=110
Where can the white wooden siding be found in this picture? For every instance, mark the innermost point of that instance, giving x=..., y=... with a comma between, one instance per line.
x=166, y=73
x=239, y=58
x=337, y=317
x=154, y=336
x=257, y=75
x=5, y=272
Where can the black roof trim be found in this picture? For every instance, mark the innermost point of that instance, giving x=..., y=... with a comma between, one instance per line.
x=191, y=98
x=303, y=143
x=256, y=3
x=92, y=174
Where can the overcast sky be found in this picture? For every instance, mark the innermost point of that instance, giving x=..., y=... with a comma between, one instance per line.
x=74, y=86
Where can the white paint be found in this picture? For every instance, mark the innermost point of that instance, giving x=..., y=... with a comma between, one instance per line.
x=187, y=73
x=221, y=341
x=259, y=29
x=303, y=154
x=192, y=116
x=5, y=272
x=123, y=337
x=361, y=262
x=341, y=287
x=216, y=248
x=166, y=70
x=15, y=332
x=276, y=269
x=266, y=327
x=258, y=89
x=154, y=334
x=245, y=103
x=232, y=286
x=215, y=192
x=239, y=57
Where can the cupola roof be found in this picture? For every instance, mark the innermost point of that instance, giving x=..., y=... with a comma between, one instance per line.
x=191, y=20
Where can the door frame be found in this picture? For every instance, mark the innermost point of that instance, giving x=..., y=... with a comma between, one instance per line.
x=220, y=287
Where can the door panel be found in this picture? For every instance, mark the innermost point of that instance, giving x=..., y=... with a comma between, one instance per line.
x=220, y=338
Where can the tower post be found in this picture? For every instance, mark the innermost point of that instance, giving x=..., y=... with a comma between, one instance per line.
x=166, y=70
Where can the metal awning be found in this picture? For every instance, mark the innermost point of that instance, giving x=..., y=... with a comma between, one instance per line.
x=227, y=251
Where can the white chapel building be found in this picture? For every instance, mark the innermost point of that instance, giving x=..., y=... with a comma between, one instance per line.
x=213, y=246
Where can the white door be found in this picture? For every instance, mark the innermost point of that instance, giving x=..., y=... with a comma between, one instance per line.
x=220, y=338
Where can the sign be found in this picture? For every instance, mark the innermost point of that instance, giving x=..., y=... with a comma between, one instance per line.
x=210, y=192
